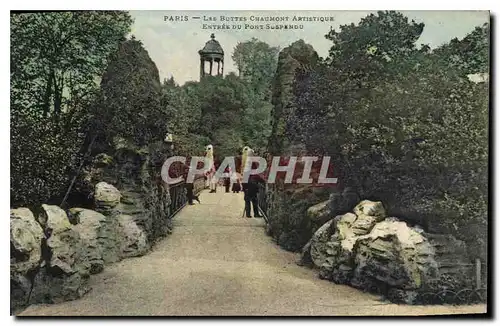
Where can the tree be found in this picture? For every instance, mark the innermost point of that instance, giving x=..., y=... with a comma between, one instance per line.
x=298, y=56
x=183, y=113
x=403, y=124
x=256, y=62
x=471, y=54
x=131, y=94
x=222, y=103
x=56, y=58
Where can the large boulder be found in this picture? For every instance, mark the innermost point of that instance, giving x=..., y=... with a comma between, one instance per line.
x=26, y=237
x=106, y=196
x=108, y=202
x=63, y=242
x=320, y=213
x=331, y=248
x=332, y=244
x=93, y=233
x=393, y=255
x=385, y=255
x=133, y=239
x=66, y=272
x=318, y=249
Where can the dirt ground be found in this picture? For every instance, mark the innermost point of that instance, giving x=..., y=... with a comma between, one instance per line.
x=217, y=263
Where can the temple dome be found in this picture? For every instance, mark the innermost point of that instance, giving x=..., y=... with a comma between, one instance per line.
x=212, y=49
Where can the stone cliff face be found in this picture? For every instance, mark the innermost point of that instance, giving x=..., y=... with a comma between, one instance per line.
x=144, y=197
x=287, y=209
x=297, y=55
x=54, y=254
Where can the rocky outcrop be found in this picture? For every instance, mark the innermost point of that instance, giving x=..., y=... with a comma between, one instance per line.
x=53, y=263
x=143, y=195
x=65, y=271
x=106, y=196
x=289, y=223
x=320, y=213
x=94, y=235
x=26, y=237
x=381, y=254
x=133, y=240
x=394, y=256
x=291, y=59
x=54, y=253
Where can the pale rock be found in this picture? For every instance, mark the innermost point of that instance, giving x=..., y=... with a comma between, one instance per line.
x=106, y=196
x=66, y=274
x=92, y=230
x=370, y=208
x=133, y=238
x=26, y=237
x=320, y=213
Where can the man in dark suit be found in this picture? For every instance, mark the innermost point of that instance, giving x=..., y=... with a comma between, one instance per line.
x=251, y=189
x=189, y=186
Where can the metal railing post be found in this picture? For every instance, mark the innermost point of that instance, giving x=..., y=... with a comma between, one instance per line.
x=478, y=273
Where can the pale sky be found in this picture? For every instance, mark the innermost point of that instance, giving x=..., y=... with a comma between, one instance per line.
x=174, y=46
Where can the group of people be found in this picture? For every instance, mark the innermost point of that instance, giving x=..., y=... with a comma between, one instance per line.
x=232, y=181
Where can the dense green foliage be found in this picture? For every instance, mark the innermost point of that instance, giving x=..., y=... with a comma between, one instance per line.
x=56, y=59
x=403, y=124
x=131, y=89
x=298, y=55
x=79, y=88
x=256, y=62
x=227, y=112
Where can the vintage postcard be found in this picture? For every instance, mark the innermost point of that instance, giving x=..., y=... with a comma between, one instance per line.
x=249, y=163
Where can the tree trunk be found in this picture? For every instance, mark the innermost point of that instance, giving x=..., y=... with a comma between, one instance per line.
x=58, y=89
x=48, y=92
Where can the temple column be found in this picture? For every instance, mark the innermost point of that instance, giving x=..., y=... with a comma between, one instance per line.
x=211, y=64
x=202, y=68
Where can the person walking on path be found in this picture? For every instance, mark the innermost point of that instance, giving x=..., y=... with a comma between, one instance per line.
x=189, y=186
x=227, y=179
x=251, y=189
x=235, y=182
x=210, y=169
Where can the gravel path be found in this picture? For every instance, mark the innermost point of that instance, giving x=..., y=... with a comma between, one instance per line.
x=217, y=263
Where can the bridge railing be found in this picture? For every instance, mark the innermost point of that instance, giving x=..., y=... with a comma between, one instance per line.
x=178, y=194
x=263, y=202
